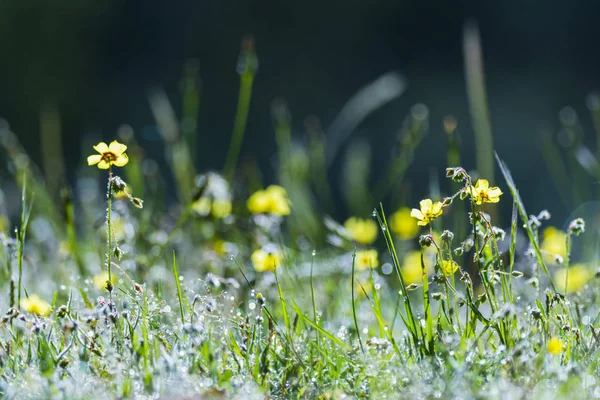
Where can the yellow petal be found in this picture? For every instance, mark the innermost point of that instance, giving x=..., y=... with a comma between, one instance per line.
x=101, y=147
x=416, y=214
x=494, y=192
x=437, y=208
x=482, y=184
x=103, y=164
x=121, y=160
x=94, y=159
x=117, y=148
x=422, y=223
x=426, y=205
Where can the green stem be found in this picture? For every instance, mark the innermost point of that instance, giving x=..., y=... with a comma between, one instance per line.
x=109, y=232
x=239, y=126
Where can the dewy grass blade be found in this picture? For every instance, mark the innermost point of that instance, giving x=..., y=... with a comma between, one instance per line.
x=179, y=295
x=523, y=213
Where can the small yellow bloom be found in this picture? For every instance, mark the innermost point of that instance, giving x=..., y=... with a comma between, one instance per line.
x=555, y=346
x=201, y=206
x=554, y=243
x=483, y=193
x=101, y=279
x=363, y=231
x=265, y=261
x=113, y=154
x=428, y=212
x=366, y=259
x=272, y=200
x=579, y=276
x=403, y=224
x=36, y=305
x=221, y=208
x=362, y=289
x=449, y=267
x=411, y=269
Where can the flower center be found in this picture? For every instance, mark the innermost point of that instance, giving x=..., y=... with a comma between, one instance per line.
x=109, y=157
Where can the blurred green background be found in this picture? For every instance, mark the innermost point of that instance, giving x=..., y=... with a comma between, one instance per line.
x=95, y=62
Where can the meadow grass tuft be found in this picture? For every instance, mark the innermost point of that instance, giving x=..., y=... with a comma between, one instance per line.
x=244, y=290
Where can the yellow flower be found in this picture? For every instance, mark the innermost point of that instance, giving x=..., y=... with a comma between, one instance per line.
x=221, y=208
x=483, y=193
x=362, y=289
x=449, y=267
x=554, y=243
x=428, y=212
x=555, y=346
x=366, y=259
x=363, y=231
x=201, y=206
x=272, y=200
x=265, y=261
x=403, y=225
x=411, y=269
x=579, y=276
x=35, y=305
x=101, y=279
x=109, y=155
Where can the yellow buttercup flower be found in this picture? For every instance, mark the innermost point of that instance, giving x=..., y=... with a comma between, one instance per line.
x=363, y=231
x=555, y=346
x=366, y=259
x=113, y=154
x=272, y=200
x=483, y=193
x=448, y=267
x=265, y=261
x=201, y=206
x=554, y=243
x=579, y=276
x=101, y=279
x=429, y=211
x=403, y=224
x=36, y=305
x=411, y=269
x=221, y=208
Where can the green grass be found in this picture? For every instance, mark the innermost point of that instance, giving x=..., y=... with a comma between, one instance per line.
x=209, y=323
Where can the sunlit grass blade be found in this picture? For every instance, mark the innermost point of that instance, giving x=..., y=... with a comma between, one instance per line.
x=178, y=284
x=524, y=218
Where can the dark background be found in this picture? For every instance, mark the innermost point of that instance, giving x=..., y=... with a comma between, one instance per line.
x=97, y=60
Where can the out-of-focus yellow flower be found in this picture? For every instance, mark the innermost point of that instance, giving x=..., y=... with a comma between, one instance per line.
x=366, y=259
x=579, y=276
x=221, y=208
x=36, y=305
x=403, y=224
x=483, y=193
x=201, y=206
x=363, y=231
x=113, y=154
x=220, y=246
x=101, y=279
x=428, y=212
x=554, y=243
x=411, y=269
x=555, y=346
x=449, y=267
x=363, y=289
x=265, y=261
x=272, y=200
